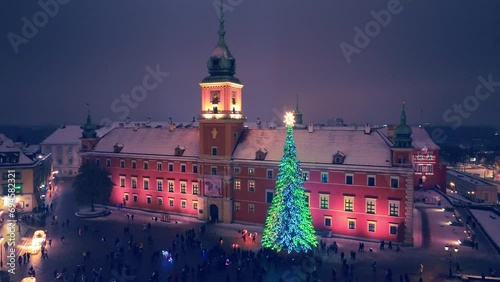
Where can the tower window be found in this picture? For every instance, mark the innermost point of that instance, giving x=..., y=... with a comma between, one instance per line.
x=216, y=62
x=214, y=151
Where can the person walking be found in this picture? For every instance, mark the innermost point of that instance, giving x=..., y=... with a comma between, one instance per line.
x=421, y=269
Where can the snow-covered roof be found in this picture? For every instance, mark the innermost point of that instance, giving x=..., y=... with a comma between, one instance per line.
x=318, y=146
x=69, y=134
x=147, y=124
x=7, y=146
x=421, y=139
x=469, y=178
x=490, y=222
x=151, y=141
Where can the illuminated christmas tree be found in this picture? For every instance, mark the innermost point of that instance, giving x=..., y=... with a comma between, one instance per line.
x=289, y=222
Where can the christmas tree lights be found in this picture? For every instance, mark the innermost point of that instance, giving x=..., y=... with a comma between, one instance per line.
x=289, y=222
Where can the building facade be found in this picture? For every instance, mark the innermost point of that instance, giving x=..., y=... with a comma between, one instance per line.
x=473, y=188
x=359, y=180
x=64, y=146
x=28, y=172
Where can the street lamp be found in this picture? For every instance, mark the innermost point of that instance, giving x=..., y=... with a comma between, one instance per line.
x=1, y=253
x=450, y=249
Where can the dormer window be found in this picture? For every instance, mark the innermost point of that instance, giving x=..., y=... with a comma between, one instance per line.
x=179, y=150
x=338, y=158
x=117, y=148
x=261, y=154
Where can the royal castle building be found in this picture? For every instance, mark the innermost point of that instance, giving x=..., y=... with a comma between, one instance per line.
x=359, y=181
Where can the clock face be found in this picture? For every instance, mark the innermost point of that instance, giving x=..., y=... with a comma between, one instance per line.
x=424, y=149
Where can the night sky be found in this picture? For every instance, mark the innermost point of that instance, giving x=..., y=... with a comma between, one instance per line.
x=431, y=53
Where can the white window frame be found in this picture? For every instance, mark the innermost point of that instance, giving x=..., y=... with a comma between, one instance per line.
x=159, y=166
x=394, y=178
x=122, y=181
x=352, y=200
x=133, y=164
x=374, y=180
x=237, y=170
x=216, y=151
x=185, y=168
x=159, y=184
x=183, y=203
x=349, y=220
x=212, y=169
x=251, y=171
x=305, y=175
x=324, y=174
x=132, y=180
x=251, y=183
x=237, y=206
x=171, y=165
x=144, y=181
x=374, y=226
x=159, y=201
x=148, y=199
x=171, y=202
x=272, y=173
x=269, y=191
x=398, y=205
x=352, y=178
x=324, y=221
x=135, y=198
x=122, y=163
x=183, y=184
x=374, y=201
x=327, y=196
x=195, y=205
x=308, y=195
x=393, y=225
x=237, y=184
x=251, y=208
x=193, y=185
x=173, y=186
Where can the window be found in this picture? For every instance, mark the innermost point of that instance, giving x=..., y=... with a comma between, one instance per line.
x=214, y=151
x=348, y=203
x=251, y=171
x=305, y=175
x=122, y=181
x=420, y=168
x=70, y=171
x=308, y=198
x=59, y=161
x=148, y=199
x=370, y=206
x=237, y=170
x=213, y=170
x=371, y=226
x=134, y=182
x=134, y=164
x=429, y=168
x=125, y=197
x=122, y=163
x=160, y=201
x=251, y=185
x=183, y=167
x=269, y=196
x=429, y=156
x=324, y=177
x=237, y=184
x=236, y=206
x=394, y=208
x=349, y=179
x=70, y=162
x=108, y=162
x=145, y=165
x=195, y=169
x=170, y=167
x=159, y=184
x=394, y=182
x=195, y=205
x=171, y=202
x=323, y=201
x=183, y=203
x=351, y=223
x=371, y=180
x=134, y=197
x=183, y=187
x=251, y=208
x=270, y=173
x=159, y=166
x=171, y=186
x=420, y=156
x=195, y=188
x=328, y=221
x=393, y=229
x=146, y=183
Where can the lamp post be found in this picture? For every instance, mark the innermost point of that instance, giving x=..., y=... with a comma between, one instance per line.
x=452, y=187
x=1, y=252
x=450, y=249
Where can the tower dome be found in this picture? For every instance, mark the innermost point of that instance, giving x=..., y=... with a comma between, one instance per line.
x=221, y=64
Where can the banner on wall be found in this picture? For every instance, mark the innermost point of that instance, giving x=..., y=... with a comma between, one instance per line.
x=213, y=185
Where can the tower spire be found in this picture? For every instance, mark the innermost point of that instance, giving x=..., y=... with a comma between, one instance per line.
x=297, y=106
x=297, y=113
x=222, y=31
x=403, y=114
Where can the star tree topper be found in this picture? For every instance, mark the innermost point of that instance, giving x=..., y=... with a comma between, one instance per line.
x=289, y=119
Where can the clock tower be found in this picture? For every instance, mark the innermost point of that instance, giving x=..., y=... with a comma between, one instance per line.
x=221, y=120
x=221, y=124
